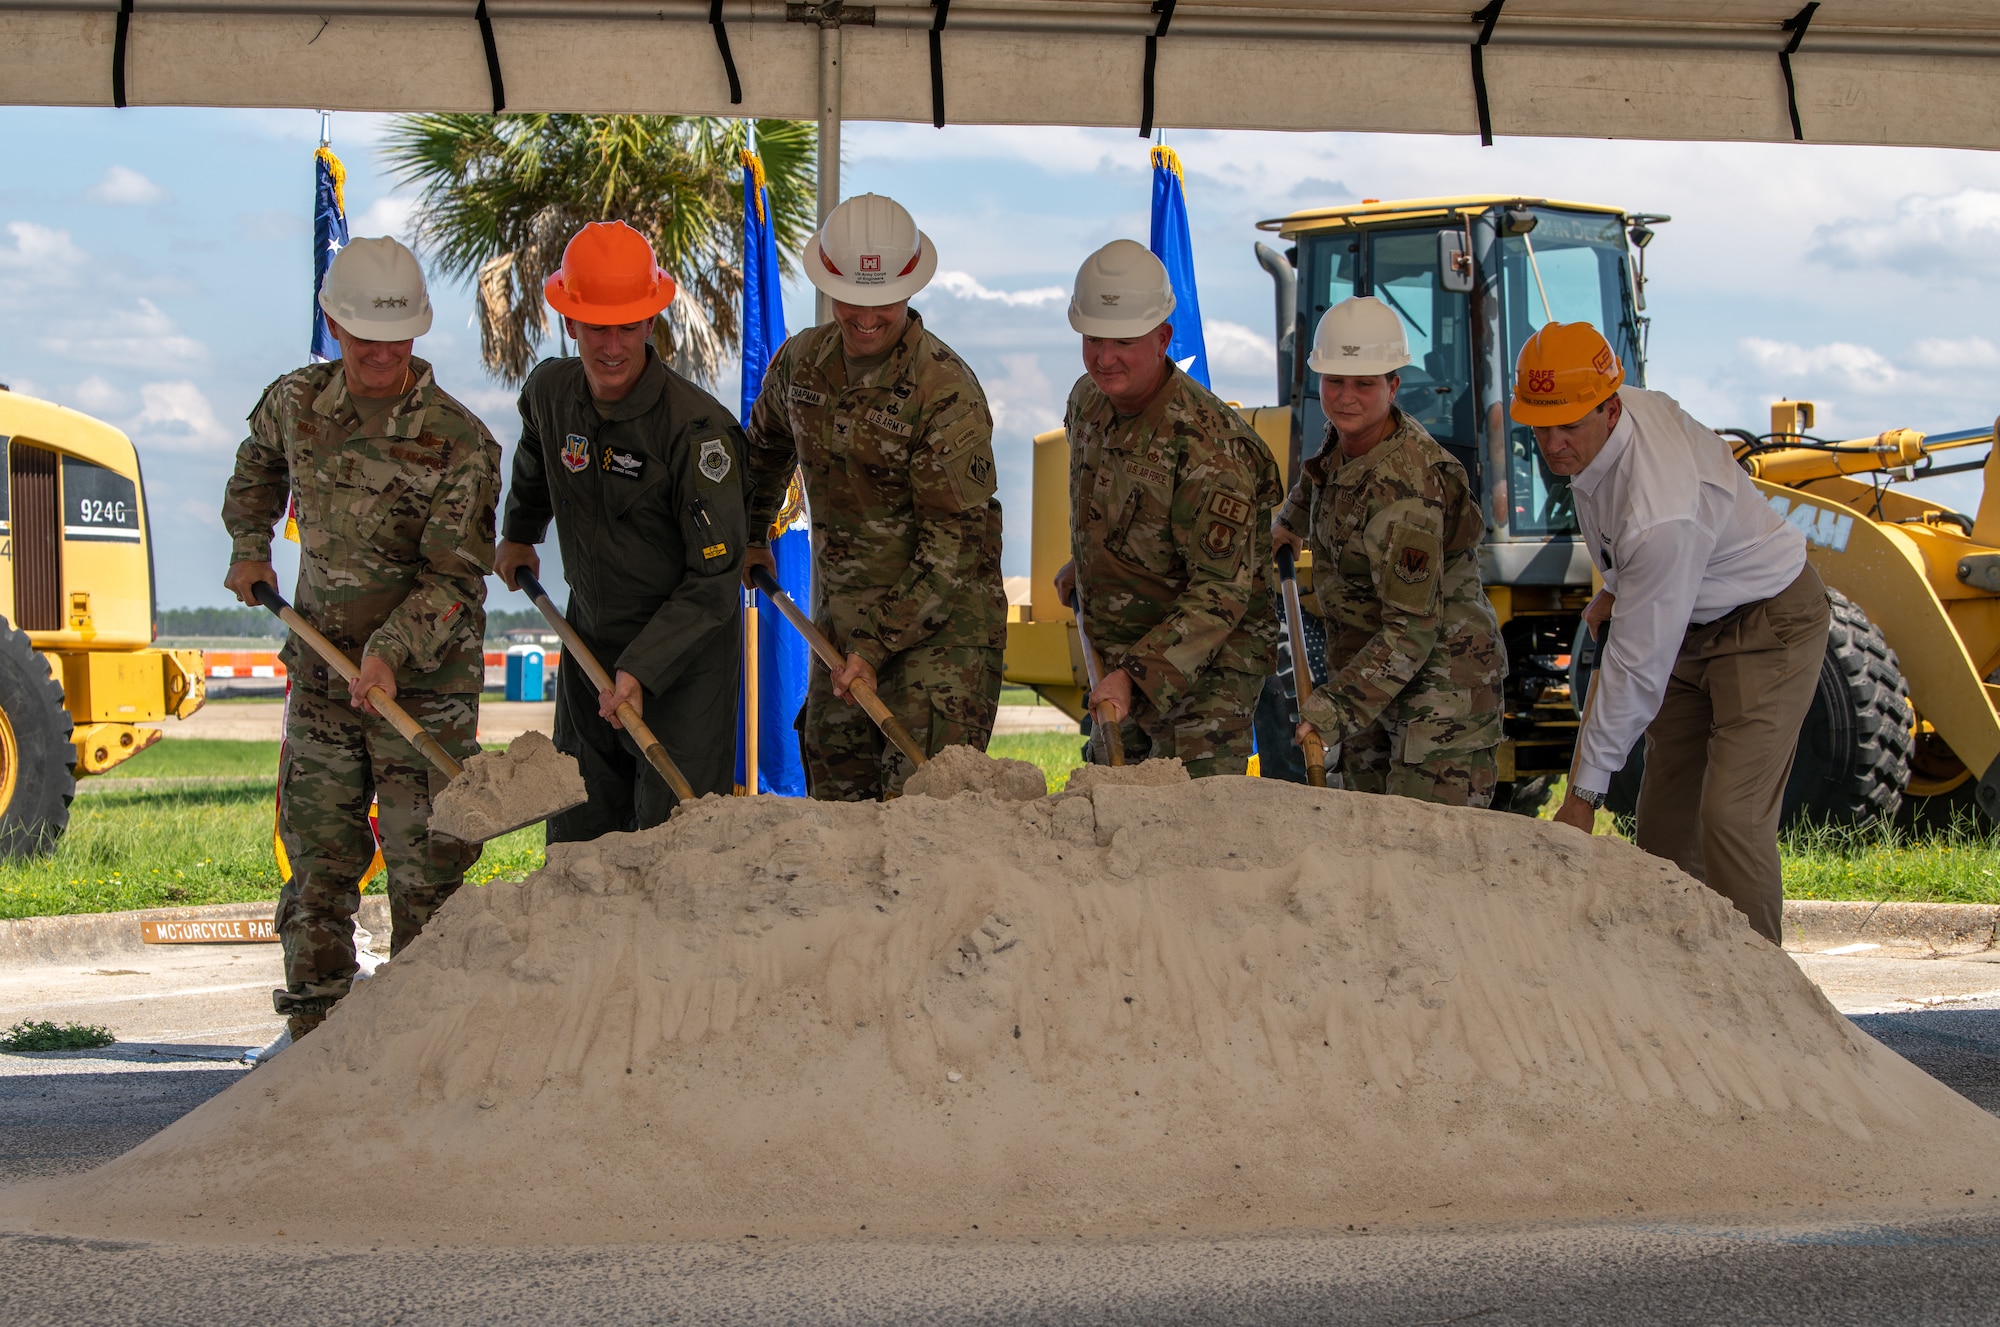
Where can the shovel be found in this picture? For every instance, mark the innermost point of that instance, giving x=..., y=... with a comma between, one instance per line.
x=1106, y=714
x=1314, y=748
x=628, y=713
x=398, y=717
x=890, y=725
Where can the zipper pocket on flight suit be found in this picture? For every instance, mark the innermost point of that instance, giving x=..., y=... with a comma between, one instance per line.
x=704, y=538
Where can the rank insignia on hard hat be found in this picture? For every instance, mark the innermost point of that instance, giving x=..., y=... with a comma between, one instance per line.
x=1413, y=565
x=714, y=462
x=626, y=465
x=575, y=453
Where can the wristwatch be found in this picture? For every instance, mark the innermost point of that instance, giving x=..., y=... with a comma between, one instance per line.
x=1595, y=801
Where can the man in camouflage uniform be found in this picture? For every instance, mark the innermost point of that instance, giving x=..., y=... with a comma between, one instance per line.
x=1170, y=499
x=1414, y=702
x=892, y=435
x=393, y=485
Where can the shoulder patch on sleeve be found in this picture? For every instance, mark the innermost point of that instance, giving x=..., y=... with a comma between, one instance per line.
x=973, y=477
x=1230, y=507
x=1414, y=564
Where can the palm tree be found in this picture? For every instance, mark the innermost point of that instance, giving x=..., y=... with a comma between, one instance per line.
x=502, y=194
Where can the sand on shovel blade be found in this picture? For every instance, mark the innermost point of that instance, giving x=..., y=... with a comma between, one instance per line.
x=1221, y=1005
x=504, y=790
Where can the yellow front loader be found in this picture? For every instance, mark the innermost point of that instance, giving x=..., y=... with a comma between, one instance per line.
x=79, y=675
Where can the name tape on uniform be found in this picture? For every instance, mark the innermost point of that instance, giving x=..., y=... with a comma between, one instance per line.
x=626, y=465
x=215, y=931
x=882, y=419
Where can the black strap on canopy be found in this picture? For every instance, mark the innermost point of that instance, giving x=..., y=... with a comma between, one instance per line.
x=1486, y=18
x=1165, y=9
x=492, y=58
x=1796, y=25
x=722, y=44
x=940, y=8
x=118, y=40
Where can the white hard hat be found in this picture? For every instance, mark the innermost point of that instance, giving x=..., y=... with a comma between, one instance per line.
x=1358, y=338
x=376, y=291
x=869, y=252
x=1122, y=291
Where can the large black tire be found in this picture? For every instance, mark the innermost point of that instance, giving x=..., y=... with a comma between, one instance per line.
x=37, y=778
x=1853, y=757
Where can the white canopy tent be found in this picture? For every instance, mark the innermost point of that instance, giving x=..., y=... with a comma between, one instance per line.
x=1913, y=72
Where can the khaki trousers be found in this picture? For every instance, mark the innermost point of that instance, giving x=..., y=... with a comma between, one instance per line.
x=1720, y=749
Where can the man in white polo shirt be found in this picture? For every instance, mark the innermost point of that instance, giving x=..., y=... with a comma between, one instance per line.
x=1717, y=622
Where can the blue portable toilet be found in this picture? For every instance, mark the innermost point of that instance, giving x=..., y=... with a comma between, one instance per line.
x=524, y=672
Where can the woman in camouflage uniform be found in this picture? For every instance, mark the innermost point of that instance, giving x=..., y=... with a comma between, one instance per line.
x=1413, y=703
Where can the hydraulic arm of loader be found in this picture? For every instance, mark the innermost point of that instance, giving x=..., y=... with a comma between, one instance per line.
x=1926, y=576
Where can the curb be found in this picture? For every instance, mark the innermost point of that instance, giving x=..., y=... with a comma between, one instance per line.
x=81, y=937
x=1931, y=927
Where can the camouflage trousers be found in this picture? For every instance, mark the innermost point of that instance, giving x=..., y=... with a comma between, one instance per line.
x=1210, y=730
x=945, y=696
x=1461, y=773
x=336, y=760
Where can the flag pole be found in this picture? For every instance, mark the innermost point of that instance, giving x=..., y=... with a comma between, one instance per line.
x=752, y=696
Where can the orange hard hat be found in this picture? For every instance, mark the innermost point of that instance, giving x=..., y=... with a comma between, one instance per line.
x=1565, y=371
x=608, y=277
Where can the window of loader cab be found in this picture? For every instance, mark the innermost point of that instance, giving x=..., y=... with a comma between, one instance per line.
x=1571, y=267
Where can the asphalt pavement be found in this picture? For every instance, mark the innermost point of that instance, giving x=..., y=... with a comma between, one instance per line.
x=184, y=1014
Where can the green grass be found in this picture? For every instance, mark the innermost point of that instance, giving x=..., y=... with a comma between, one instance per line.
x=1957, y=865
x=47, y=1036
x=1056, y=753
x=1020, y=696
x=200, y=757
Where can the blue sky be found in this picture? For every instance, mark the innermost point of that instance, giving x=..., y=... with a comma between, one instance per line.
x=155, y=271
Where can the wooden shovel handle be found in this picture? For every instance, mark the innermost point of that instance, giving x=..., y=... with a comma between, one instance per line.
x=628, y=713
x=1313, y=747
x=399, y=718
x=890, y=725
x=1106, y=713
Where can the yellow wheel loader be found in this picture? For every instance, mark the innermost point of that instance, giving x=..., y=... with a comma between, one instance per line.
x=78, y=671
x=1903, y=711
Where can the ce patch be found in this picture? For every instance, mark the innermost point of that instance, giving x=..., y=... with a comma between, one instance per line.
x=626, y=465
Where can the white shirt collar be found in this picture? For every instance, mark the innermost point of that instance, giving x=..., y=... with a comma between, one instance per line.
x=1607, y=457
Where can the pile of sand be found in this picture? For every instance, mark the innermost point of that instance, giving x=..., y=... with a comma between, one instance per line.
x=504, y=790
x=960, y=769
x=1215, y=1005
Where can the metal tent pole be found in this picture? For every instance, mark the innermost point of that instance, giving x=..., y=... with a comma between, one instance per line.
x=829, y=137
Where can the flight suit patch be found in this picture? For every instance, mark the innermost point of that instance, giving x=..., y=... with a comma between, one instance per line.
x=575, y=453
x=626, y=465
x=714, y=463
x=807, y=396
x=882, y=419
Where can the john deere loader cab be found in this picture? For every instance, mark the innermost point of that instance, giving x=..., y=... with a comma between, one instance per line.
x=1472, y=278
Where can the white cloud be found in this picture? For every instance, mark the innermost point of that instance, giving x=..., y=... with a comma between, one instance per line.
x=41, y=252
x=1928, y=236
x=385, y=216
x=177, y=415
x=1856, y=367
x=143, y=337
x=966, y=286
x=1972, y=352
x=1234, y=348
x=124, y=187
x=95, y=396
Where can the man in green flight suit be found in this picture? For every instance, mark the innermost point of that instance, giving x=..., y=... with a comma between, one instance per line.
x=1170, y=510
x=392, y=483
x=642, y=473
x=891, y=432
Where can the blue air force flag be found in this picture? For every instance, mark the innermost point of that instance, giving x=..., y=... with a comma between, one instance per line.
x=1171, y=245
